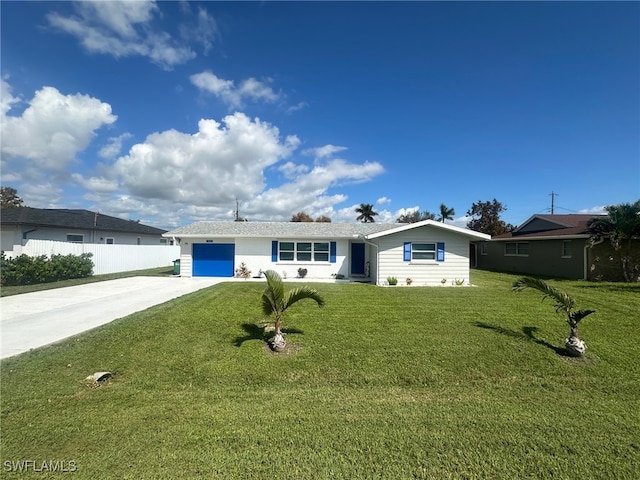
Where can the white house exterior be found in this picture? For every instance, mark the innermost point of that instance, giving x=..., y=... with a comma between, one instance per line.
x=19, y=225
x=426, y=251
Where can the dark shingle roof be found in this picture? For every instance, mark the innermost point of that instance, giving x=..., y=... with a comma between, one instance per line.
x=77, y=219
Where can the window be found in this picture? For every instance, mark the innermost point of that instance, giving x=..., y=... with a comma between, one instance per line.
x=516, y=248
x=483, y=248
x=423, y=251
x=566, y=249
x=420, y=252
x=304, y=251
x=109, y=240
x=75, y=238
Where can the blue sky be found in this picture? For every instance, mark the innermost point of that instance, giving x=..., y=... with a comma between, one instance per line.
x=168, y=112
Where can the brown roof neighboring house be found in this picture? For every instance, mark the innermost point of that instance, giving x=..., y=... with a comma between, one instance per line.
x=545, y=226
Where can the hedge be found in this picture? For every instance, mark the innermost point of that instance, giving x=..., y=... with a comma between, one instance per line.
x=26, y=270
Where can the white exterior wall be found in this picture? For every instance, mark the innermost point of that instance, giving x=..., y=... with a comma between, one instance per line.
x=12, y=236
x=256, y=254
x=424, y=272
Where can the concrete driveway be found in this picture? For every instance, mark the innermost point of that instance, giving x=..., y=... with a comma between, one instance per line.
x=32, y=320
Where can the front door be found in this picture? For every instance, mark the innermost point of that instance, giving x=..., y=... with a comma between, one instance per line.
x=357, y=259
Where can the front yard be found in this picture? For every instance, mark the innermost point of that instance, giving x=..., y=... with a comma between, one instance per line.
x=389, y=383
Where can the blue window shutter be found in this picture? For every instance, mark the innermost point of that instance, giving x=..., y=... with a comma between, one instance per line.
x=407, y=251
x=440, y=256
x=274, y=251
x=332, y=252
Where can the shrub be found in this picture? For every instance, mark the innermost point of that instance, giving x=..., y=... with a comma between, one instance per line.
x=302, y=272
x=243, y=271
x=26, y=270
x=392, y=280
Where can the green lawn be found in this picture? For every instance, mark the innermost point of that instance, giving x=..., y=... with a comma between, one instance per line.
x=382, y=383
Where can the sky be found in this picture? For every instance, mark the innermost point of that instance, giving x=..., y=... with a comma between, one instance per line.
x=176, y=112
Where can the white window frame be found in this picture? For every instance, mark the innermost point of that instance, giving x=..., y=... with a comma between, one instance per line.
x=427, y=254
x=521, y=250
x=106, y=241
x=315, y=250
x=566, y=249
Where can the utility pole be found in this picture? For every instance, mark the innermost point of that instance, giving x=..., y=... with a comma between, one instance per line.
x=553, y=197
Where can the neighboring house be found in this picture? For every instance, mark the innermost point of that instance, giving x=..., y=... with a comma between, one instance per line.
x=426, y=251
x=77, y=226
x=547, y=245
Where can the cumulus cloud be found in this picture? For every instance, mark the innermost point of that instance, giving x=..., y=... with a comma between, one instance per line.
x=6, y=97
x=218, y=163
x=383, y=200
x=124, y=29
x=308, y=191
x=226, y=90
x=114, y=146
x=53, y=128
x=96, y=184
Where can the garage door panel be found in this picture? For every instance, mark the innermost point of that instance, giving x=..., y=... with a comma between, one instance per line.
x=213, y=259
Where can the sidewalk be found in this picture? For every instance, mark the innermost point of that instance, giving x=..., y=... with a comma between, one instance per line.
x=32, y=320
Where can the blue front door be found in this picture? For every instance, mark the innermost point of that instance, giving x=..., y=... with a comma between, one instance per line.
x=213, y=259
x=357, y=259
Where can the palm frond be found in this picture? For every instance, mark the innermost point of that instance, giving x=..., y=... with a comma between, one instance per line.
x=273, y=294
x=302, y=293
x=562, y=300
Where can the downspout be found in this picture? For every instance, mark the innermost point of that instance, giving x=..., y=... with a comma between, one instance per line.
x=368, y=242
x=24, y=235
x=587, y=246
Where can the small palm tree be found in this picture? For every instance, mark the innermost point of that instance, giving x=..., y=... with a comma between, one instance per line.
x=274, y=301
x=366, y=213
x=446, y=213
x=563, y=303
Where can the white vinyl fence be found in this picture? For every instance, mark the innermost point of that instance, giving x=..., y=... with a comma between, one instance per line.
x=106, y=258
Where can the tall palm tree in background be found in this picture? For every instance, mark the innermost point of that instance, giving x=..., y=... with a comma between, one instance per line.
x=621, y=226
x=366, y=213
x=446, y=213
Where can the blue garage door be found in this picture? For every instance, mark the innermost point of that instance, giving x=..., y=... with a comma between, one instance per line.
x=213, y=259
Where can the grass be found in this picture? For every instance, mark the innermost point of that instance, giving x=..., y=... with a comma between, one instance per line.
x=16, y=290
x=386, y=383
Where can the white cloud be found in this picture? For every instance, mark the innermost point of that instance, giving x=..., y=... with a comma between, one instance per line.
x=96, y=184
x=114, y=146
x=124, y=28
x=6, y=97
x=308, y=191
x=323, y=152
x=218, y=163
x=233, y=96
x=53, y=128
x=597, y=210
x=383, y=200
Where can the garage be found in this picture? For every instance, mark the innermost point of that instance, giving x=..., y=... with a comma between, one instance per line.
x=213, y=259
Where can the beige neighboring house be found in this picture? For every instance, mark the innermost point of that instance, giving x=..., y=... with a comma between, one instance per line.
x=18, y=225
x=425, y=252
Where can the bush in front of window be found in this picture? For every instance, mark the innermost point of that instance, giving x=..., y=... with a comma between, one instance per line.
x=392, y=280
x=302, y=272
